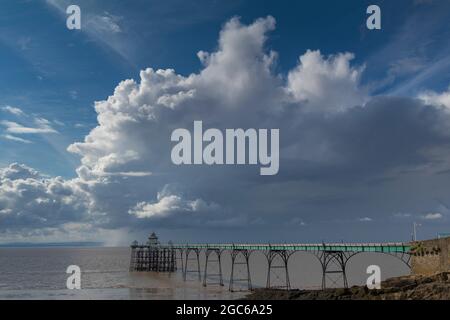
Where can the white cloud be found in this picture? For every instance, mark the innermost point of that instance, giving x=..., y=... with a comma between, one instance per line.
x=433, y=216
x=13, y=110
x=327, y=83
x=42, y=126
x=168, y=204
x=17, y=171
x=402, y=215
x=406, y=66
x=12, y=128
x=101, y=24
x=365, y=219
x=437, y=99
x=14, y=138
x=31, y=200
x=296, y=222
x=164, y=207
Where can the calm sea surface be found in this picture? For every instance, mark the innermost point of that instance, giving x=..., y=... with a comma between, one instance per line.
x=40, y=273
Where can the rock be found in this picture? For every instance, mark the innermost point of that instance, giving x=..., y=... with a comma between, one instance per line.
x=435, y=287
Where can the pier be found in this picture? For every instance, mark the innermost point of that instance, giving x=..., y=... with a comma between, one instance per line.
x=152, y=256
x=333, y=258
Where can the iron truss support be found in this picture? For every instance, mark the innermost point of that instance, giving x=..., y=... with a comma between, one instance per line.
x=216, y=264
x=134, y=259
x=334, y=265
x=196, y=261
x=180, y=257
x=139, y=262
x=405, y=257
x=244, y=261
x=173, y=260
x=275, y=264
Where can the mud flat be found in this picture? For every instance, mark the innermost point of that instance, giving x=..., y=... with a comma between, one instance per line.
x=434, y=287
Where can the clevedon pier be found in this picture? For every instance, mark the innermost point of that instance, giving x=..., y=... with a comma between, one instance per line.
x=333, y=257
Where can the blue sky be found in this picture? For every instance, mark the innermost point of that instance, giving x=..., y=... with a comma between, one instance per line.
x=51, y=76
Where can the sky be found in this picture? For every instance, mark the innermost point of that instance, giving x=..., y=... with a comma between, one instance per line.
x=86, y=118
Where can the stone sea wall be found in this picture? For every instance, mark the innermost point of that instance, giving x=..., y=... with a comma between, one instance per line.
x=430, y=256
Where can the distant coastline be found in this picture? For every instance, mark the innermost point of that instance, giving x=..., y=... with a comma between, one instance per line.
x=51, y=244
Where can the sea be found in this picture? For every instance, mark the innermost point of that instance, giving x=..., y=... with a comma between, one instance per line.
x=40, y=273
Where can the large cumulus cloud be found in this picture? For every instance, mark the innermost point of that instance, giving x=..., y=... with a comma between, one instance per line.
x=341, y=149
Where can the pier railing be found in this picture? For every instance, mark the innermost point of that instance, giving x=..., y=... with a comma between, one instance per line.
x=344, y=247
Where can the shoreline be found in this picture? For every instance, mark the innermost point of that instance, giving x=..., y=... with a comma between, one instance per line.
x=413, y=287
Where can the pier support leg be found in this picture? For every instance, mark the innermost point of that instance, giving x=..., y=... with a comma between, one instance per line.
x=173, y=260
x=139, y=259
x=245, y=254
x=196, y=260
x=180, y=260
x=133, y=259
x=217, y=263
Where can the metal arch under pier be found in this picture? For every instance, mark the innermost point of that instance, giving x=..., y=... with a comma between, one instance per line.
x=338, y=260
x=284, y=256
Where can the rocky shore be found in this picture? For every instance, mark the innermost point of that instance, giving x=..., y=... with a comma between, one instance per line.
x=435, y=287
